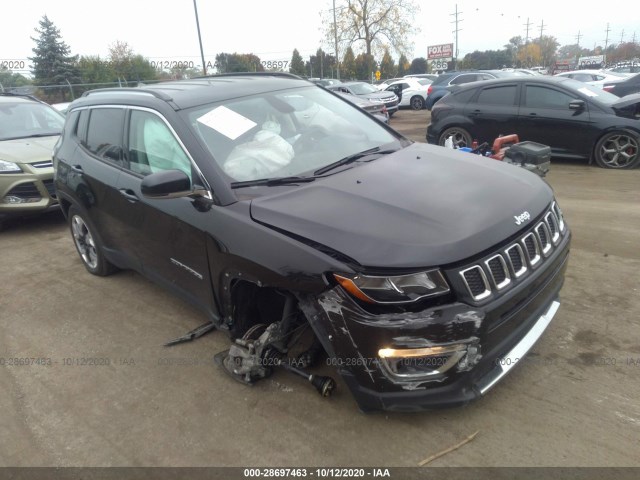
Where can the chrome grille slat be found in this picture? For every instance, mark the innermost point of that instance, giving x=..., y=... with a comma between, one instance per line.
x=476, y=281
x=499, y=271
x=530, y=250
x=544, y=237
x=517, y=260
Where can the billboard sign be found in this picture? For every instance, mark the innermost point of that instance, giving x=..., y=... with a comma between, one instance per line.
x=444, y=50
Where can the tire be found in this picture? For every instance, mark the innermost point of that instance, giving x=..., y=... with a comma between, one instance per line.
x=416, y=103
x=88, y=244
x=461, y=138
x=619, y=149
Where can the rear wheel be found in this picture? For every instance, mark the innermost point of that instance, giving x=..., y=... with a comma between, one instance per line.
x=417, y=103
x=461, y=138
x=618, y=150
x=88, y=245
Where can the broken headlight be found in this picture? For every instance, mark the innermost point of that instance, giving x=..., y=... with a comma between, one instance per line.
x=394, y=289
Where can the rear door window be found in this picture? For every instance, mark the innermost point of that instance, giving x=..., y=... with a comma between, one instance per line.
x=502, y=95
x=104, y=135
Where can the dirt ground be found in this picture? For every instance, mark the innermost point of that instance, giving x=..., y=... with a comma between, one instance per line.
x=572, y=402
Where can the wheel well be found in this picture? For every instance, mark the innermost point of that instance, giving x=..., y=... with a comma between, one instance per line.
x=65, y=205
x=252, y=304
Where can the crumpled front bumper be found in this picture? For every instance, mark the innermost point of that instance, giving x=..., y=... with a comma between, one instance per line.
x=494, y=336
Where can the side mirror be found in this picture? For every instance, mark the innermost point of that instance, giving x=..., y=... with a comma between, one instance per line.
x=576, y=105
x=166, y=184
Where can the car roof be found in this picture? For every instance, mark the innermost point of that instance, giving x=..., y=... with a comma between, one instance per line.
x=518, y=79
x=183, y=94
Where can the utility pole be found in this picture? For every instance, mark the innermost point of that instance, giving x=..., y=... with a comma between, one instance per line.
x=606, y=43
x=622, y=36
x=578, y=37
x=540, y=42
x=528, y=24
x=204, y=65
x=335, y=39
x=456, y=14
x=526, y=42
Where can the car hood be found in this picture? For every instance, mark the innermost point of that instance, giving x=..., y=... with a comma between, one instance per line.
x=421, y=206
x=28, y=150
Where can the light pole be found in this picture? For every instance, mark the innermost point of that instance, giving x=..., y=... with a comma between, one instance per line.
x=204, y=66
x=335, y=39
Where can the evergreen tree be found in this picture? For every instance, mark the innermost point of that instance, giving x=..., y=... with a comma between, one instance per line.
x=297, y=64
x=348, y=67
x=52, y=62
x=387, y=66
x=403, y=66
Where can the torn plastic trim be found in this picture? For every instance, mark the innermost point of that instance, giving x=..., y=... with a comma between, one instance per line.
x=353, y=338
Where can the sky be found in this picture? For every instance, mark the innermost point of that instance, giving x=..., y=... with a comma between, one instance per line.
x=271, y=29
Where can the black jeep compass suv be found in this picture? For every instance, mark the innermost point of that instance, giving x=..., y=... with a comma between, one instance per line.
x=305, y=227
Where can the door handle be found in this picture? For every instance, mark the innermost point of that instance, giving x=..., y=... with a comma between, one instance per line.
x=476, y=112
x=77, y=169
x=129, y=195
x=533, y=115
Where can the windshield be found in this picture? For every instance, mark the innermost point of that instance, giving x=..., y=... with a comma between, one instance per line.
x=591, y=91
x=285, y=133
x=28, y=119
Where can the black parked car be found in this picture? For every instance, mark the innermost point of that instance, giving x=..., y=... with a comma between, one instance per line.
x=441, y=85
x=298, y=223
x=624, y=87
x=576, y=120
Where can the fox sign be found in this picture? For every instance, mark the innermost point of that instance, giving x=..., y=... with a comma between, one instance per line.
x=440, y=51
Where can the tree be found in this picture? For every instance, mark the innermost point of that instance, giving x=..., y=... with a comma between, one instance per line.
x=52, y=62
x=348, y=67
x=512, y=48
x=486, y=60
x=548, y=47
x=322, y=64
x=363, y=65
x=388, y=67
x=530, y=55
x=10, y=79
x=93, y=69
x=403, y=65
x=238, y=62
x=297, y=64
x=372, y=25
x=128, y=65
x=418, y=65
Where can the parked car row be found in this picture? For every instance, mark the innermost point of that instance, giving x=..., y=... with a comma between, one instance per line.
x=575, y=119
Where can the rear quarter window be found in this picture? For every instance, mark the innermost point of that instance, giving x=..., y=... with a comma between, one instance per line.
x=104, y=135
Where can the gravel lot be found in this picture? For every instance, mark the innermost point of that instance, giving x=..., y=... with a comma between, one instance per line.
x=572, y=402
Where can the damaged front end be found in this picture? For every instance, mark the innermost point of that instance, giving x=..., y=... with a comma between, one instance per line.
x=408, y=340
x=449, y=349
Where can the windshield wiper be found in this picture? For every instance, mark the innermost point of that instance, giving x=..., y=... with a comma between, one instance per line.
x=350, y=159
x=271, y=182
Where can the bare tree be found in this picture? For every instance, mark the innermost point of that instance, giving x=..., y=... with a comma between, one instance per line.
x=371, y=26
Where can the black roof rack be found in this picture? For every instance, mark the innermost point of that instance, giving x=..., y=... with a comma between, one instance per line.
x=244, y=74
x=17, y=94
x=156, y=93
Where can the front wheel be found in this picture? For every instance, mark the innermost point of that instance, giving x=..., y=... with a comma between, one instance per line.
x=618, y=150
x=461, y=138
x=417, y=103
x=88, y=245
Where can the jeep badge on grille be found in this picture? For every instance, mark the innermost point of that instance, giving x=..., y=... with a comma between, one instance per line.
x=523, y=217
